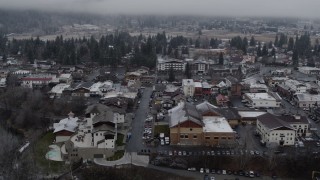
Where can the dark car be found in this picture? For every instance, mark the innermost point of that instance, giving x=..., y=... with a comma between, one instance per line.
x=213, y=171
x=257, y=174
x=206, y=177
x=218, y=171
x=246, y=174
x=240, y=172
x=229, y=172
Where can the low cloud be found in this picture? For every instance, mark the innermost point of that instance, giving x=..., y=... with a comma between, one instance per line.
x=273, y=8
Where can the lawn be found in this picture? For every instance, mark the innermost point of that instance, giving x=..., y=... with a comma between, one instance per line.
x=161, y=129
x=117, y=155
x=41, y=148
x=119, y=141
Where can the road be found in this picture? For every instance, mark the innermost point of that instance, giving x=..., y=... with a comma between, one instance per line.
x=197, y=175
x=135, y=143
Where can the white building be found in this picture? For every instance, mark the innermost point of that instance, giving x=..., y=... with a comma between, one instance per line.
x=257, y=88
x=164, y=65
x=309, y=70
x=263, y=100
x=296, y=86
x=307, y=100
x=65, y=78
x=65, y=128
x=37, y=80
x=57, y=90
x=188, y=87
x=273, y=130
x=3, y=82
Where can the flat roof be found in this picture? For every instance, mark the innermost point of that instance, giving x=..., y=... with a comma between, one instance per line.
x=250, y=114
x=260, y=96
x=216, y=124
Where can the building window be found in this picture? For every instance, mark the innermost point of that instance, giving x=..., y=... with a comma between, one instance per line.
x=195, y=137
x=216, y=138
x=207, y=137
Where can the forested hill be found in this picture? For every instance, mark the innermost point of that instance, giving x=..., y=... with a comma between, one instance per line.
x=14, y=21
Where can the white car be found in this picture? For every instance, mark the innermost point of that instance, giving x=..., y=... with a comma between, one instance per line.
x=211, y=178
x=224, y=172
x=201, y=170
x=162, y=142
x=251, y=174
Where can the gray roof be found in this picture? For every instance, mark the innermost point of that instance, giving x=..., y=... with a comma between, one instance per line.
x=273, y=122
x=294, y=119
x=229, y=113
x=97, y=108
x=182, y=113
x=103, y=117
x=104, y=127
x=206, y=107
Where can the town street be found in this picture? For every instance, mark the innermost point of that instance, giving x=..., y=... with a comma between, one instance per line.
x=135, y=143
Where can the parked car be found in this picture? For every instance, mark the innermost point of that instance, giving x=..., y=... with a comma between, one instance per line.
x=251, y=174
x=224, y=172
x=184, y=153
x=207, y=170
x=201, y=170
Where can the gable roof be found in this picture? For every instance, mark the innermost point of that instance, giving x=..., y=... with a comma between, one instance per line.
x=205, y=107
x=273, y=122
x=229, y=113
x=97, y=108
x=183, y=112
x=68, y=124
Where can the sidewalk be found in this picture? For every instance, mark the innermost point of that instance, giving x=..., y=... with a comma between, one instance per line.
x=128, y=158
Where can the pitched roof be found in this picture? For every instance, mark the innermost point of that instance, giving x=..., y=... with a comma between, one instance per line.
x=294, y=119
x=68, y=124
x=273, y=122
x=205, y=106
x=97, y=108
x=183, y=112
x=229, y=113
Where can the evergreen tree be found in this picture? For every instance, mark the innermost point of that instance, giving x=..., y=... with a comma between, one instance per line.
x=290, y=44
x=252, y=41
x=295, y=58
x=264, y=51
x=221, y=59
x=259, y=52
x=171, y=75
x=276, y=41
x=273, y=53
x=197, y=43
x=188, y=71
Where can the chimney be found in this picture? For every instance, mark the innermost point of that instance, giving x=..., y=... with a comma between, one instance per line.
x=71, y=115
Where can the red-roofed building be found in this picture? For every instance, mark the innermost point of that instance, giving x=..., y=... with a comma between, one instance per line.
x=32, y=81
x=222, y=100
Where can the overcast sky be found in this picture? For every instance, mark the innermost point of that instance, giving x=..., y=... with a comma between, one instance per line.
x=288, y=8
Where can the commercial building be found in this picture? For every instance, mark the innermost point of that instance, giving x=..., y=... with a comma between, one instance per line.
x=165, y=64
x=188, y=87
x=263, y=100
x=199, y=125
x=274, y=131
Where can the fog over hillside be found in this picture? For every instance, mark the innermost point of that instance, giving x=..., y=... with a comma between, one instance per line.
x=271, y=8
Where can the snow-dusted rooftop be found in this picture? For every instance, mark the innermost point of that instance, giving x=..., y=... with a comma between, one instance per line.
x=250, y=114
x=216, y=124
x=197, y=84
x=68, y=124
x=260, y=96
x=59, y=88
